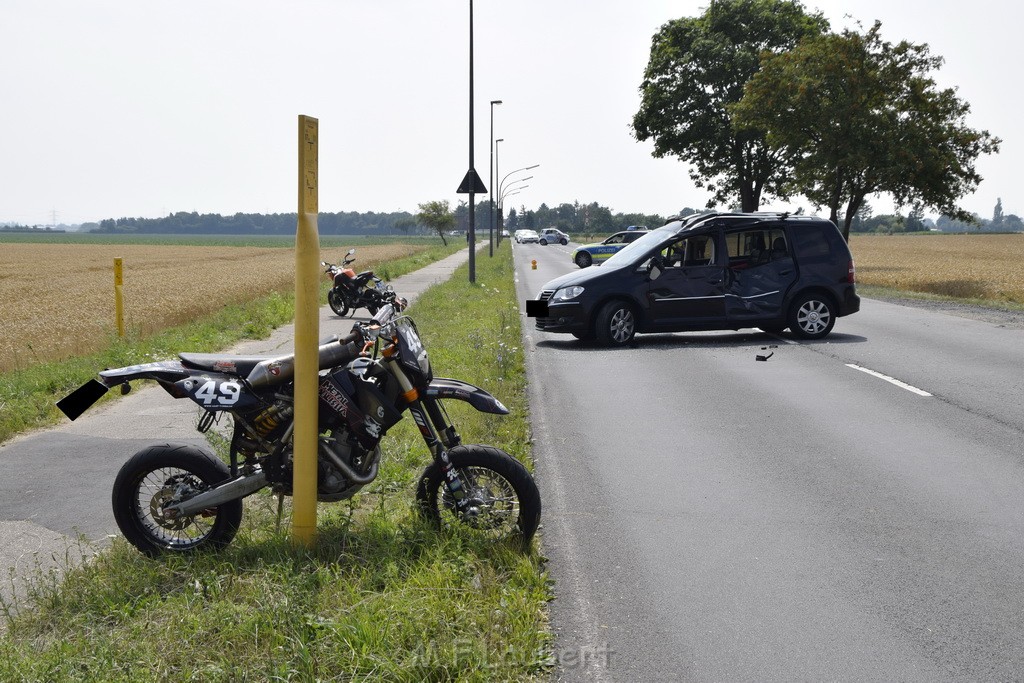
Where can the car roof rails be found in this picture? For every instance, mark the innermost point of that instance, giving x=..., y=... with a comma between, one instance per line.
x=690, y=217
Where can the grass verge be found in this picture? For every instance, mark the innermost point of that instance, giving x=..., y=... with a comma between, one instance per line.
x=27, y=396
x=382, y=597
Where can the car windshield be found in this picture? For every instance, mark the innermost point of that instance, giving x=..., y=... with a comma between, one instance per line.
x=635, y=250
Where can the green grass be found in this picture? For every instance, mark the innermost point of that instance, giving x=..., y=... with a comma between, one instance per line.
x=27, y=396
x=382, y=597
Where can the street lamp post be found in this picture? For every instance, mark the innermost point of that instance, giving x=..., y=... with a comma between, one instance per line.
x=525, y=168
x=509, y=191
x=498, y=224
x=501, y=218
x=490, y=195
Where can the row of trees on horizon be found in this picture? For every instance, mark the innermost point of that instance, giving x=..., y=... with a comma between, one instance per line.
x=590, y=219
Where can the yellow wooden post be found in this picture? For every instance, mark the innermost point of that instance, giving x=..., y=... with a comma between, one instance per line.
x=307, y=332
x=119, y=296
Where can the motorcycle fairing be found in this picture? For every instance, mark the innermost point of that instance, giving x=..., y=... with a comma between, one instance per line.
x=215, y=391
x=443, y=387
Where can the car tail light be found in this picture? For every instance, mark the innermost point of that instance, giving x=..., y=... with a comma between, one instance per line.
x=852, y=275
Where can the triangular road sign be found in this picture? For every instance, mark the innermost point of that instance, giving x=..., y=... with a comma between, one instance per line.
x=471, y=184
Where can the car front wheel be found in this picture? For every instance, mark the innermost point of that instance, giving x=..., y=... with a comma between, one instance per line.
x=583, y=259
x=812, y=316
x=615, y=324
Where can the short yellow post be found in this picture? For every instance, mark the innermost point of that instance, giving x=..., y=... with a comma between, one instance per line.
x=119, y=296
x=307, y=332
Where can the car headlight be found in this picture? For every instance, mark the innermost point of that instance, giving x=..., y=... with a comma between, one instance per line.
x=566, y=293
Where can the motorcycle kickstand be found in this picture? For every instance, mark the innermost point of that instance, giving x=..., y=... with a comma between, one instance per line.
x=280, y=509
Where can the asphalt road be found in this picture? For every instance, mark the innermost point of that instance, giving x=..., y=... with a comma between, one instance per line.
x=851, y=509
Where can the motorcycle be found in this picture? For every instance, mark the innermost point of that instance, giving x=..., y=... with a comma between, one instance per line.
x=178, y=498
x=352, y=291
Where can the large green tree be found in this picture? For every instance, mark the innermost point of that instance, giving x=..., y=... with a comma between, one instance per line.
x=697, y=67
x=862, y=116
x=436, y=216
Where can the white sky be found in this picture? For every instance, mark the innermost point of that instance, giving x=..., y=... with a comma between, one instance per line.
x=112, y=108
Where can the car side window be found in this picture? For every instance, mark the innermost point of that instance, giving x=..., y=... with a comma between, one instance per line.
x=698, y=250
x=811, y=242
x=754, y=248
x=614, y=239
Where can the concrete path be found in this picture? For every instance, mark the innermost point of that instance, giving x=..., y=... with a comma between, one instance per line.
x=56, y=484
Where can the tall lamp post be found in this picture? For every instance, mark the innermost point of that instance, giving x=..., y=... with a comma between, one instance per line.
x=490, y=184
x=501, y=218
x=497, y=219
x=509, y=191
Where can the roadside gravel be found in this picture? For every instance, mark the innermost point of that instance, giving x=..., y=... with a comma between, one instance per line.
x=997, y=316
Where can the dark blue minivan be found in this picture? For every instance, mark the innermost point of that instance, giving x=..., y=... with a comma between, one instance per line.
x=710, y=271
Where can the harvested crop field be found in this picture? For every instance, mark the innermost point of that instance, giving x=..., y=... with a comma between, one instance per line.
x=986, y=267
x=57, y=300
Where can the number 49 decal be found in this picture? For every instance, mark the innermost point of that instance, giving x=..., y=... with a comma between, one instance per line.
x=219, y=393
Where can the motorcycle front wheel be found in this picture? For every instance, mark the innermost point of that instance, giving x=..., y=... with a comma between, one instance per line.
x=337, y=302
x=162, y=475
x=504, y=502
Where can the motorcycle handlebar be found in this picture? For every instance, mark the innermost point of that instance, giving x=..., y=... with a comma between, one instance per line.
x=353, y=345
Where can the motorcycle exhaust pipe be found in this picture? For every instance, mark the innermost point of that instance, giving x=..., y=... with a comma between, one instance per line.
x=225, y=493
x=350, y=474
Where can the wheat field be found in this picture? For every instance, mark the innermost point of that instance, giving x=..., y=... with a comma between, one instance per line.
x=986, y=267
x=57, y=300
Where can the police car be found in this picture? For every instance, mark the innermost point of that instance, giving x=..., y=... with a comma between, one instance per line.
x=589, y=254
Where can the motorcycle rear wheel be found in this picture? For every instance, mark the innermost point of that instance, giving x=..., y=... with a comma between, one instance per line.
x=505, y=499
x=163, y=474
x=337, y=303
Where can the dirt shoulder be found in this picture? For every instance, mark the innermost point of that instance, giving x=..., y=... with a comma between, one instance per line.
x=997, y=316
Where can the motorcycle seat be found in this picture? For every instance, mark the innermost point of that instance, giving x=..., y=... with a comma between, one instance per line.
x=230, y=365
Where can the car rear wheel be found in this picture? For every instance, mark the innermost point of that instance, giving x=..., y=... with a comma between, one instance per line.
x=812, y=316
x=583, y=259
x=543, y=243
x=615, y=324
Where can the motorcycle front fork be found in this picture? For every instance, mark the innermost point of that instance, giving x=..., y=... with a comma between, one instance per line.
x=440, y=437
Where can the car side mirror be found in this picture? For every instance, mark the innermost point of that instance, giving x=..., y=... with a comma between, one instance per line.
x=654, y=270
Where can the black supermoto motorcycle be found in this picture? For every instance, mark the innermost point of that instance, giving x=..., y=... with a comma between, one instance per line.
x=179, y=498
x=351, y=290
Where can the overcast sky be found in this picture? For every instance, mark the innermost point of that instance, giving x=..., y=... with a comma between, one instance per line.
x=112, y=108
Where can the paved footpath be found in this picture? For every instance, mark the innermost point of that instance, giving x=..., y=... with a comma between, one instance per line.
x=56, y=484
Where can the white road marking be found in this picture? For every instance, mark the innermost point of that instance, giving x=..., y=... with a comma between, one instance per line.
x=891, y=380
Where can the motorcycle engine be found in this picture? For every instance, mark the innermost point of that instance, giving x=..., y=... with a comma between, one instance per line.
x=332, y=483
